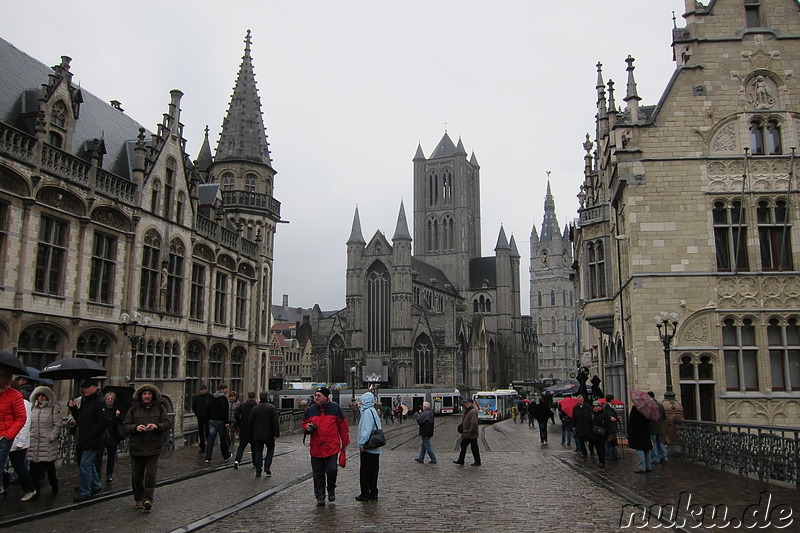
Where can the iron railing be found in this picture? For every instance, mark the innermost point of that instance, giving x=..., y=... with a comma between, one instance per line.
x=769, y=452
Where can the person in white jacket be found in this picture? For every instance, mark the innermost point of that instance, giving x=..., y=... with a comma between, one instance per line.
x=19, y=449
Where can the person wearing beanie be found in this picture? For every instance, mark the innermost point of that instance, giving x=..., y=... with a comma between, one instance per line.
x=324, y=420
x=600, y=430
x=370, y=458
x=91, y=426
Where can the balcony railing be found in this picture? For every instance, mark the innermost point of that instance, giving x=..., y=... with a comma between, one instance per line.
x=253, y=200
x=769, y=452
x=15, y=143
x=593, y=215
x=115, y=186
x=213, y=231
x=65, y=165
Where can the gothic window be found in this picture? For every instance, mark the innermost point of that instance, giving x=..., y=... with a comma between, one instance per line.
x=194, y=352
x=216, y=361
x=55, y=139
x=240, y=315
x=765, y=137
x=564, y=297
x=336, y=353
x=227, y=181
x=237, y=364
x=38, y=346
x=433, y=235
x=597, y=270
x=433, y=188
x=169, y=186
x=51, y=254
x=58, y=114
x=3, y=230
x=197, y=298
x=751, y=13
x=475, y=307
x=175, y=278
x=697, y=388
x=269, y=187
x=221, y=298
x=151, y=251
x=540, y=325
x=784, y=354
x=553, y=324
x=423, y=360
x=488, y=305
x=447, y=187
x=482, y=304
x=540, y=299
x=379, y=295
x=155, y=192
x=730, y=236
x=93, y=346
x=741, y=352
x=552, y=298
x=447, y=233
x=773, y=235
x=570, y=299
x=250, y=183
x=179, y=207
x=101, y=277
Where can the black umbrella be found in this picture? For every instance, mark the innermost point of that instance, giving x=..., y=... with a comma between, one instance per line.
x=9, y=361
x=73, y=368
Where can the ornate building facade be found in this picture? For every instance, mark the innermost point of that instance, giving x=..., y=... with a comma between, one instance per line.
x=553, y=305
x=100, y=217
x=444, y=316
x=688, y=206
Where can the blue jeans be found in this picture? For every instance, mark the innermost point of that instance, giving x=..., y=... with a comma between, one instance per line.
x=426, y=448
x=5, y=447
x=644, y=460
x=659, y=452
x=88, y=476
x=530, y=420
x=217, y=427
x=566, y=434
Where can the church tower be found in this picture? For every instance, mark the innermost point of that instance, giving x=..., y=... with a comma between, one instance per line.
x=552, y=295
x=447, y=209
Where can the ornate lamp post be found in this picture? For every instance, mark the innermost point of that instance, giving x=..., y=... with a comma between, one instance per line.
x=353, y=370
x=667, y=324
x=134, y=327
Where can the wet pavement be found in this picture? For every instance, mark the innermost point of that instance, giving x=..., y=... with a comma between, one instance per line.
x=521, y=485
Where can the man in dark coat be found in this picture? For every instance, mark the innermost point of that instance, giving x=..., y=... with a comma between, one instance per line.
x=639, y=439
x=265, y=427
x=91, y=423
x=543, y=414
x=218, y=423
x=200, y=409
x=469, y=434
x=242, y=418
x=582, y=423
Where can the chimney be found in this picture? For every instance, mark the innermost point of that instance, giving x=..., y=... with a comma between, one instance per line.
x=286, y=300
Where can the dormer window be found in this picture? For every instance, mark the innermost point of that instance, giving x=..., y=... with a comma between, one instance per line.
x=54, y=139
x=58, y=114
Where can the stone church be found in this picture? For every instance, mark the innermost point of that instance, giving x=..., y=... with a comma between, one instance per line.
x=553, y=305
x=103, y=222
x=442, y=316
x=688, y=208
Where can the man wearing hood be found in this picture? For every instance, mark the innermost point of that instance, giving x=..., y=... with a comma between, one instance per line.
x=91, y=423
x=265, y=427
x=146, y=422
x=370, y=458
x=324, y=420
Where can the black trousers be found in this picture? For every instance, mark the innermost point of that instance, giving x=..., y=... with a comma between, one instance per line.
x=600, y=447
x=38, y=470
x=325, y=470
x=143, y=476
x=476, y=453
x=202, y=431
x=368, y=473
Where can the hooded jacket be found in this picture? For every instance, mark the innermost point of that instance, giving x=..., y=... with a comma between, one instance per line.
x=370, y=419
x=45, y=427
x=143, y=443
x=332, y=434
x=218, y=407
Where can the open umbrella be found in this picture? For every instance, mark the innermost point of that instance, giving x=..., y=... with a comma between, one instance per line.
x=645, y=404
x=565, y=388
x=33, y=375
x=615, y=401
x=9, y=362
x=567, y=404
x=73, y=368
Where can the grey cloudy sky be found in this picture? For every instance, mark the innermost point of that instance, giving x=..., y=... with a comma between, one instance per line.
x=348, y=89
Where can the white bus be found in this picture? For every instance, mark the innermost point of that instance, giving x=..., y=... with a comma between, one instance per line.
x=495, y=405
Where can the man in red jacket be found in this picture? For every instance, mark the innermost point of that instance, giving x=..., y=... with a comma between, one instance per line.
x=12, y=415
x=325, y=422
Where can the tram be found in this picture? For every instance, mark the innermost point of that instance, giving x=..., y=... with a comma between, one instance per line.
x=443, y=401
x=494, y=406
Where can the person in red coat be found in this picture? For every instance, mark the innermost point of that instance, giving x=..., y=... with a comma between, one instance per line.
x=13, y=415
x=324, y=420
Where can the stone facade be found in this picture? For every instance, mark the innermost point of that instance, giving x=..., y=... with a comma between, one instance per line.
x=442, y=317
x=100, y=217
x=553, y=304
x=688, y=206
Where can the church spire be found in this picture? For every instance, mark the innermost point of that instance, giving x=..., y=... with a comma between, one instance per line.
x=550, y=228
x=204, y=158
x=502, y=241
x=355, y=234
x=243, y=136
x=401, y=230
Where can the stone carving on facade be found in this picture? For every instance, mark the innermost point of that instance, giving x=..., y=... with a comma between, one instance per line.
x=738, y=293
x=724, y=142
x=204, y=252
x=696, y=331
x=112, y=218
x=769, y=412
x=762, y=92
x=14, y=184
x=226, y=261
x=759, y=293
x=61, y=199
x=764, y=175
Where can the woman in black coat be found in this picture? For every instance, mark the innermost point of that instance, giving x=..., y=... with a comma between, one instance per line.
x=601, y=428
x=639, y=439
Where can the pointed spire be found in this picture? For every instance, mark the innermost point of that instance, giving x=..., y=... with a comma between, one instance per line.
x=534, y=234
x=445, y=148
x=355, y=234
x=601, y=92
x=612, y=105
x=631, y=82
x=502, y=241
x=474, y=160
x=401, y=230
x=550, y=223
x=460, y=148
x=204, y=158
x=243, y=136
x=513, y=244
x=420, y=154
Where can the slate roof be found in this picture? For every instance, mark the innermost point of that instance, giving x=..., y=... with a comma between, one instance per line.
x=482, y=268
x=425, y=273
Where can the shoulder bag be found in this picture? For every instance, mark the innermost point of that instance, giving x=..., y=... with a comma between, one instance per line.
x=376, y=438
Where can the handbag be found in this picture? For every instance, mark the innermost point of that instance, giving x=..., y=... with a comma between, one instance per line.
x=460, y=428
x=597, y=430
x=121, y=435
x=376, y=438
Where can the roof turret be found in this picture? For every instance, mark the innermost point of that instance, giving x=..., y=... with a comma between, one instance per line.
x=355, y=234
x=204, y=158
x=401, y=230
x=445, y=148
x=502, y=241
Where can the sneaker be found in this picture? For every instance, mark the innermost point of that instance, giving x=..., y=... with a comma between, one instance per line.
x=28, y=496
x=208, y=460
x=109, y=479
x=268, y=472
x=147, y=505
x=236, y=465
x=226, y=459
x=419, y=460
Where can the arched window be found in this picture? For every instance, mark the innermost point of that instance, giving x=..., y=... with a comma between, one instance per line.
x=237, y=373
x=194, y=353
x=379, y=295
x=765, y=137
x=730, y=236
x=227, y=181
x=95, y=346
x=433, y=188
x=250, y=183
x=58, y=114
x=597, y=270
x=151, y=250
x=447, y=233
x=175, y=277
x=697, y=388
x=488, y=305
x=475, y=308
x=51, y=256
x=155, y=194
x=336, y=356
x=179, y=207
x=169, y=186
x=784, y=354
x=216, y=362
x=38, y=346
x=482, y=304
x=55, y=139
x=552, y=324
x=423, y=360
x=447, y=187
x=773, y=235
x=552, y=298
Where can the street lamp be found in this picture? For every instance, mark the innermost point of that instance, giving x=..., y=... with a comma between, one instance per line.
x=353, y=370
x=667, y=324
x=133, y=322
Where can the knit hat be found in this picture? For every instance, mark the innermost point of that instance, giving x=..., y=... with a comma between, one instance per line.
x=597, y=404
x=325, y=391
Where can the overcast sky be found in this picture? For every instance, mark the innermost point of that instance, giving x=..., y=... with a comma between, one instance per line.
x=349, y=88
